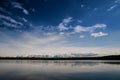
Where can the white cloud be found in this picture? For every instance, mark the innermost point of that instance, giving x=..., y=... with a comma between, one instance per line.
x=34, y=40
x=100, y=26
x=9, y=24
x=80, y=28
x=117, y=1
x=61, y=33
x=112, y=7
x=99, y=34
x=29, y=50
x=4, y=11
x=16, y=5
x=95, y=9
x=49, y=33
x=19, y=6
x=79, y=21
x=25, y=11
x=82, y=6
x=10, y=20
x=67, y=20
x=31, y=41
x=82, y=36
x=25, y=20
x=63, y=25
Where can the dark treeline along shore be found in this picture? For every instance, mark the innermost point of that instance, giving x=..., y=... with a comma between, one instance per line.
x=110, y=57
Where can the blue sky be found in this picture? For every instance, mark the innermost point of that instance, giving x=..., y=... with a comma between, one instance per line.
x=33, y=27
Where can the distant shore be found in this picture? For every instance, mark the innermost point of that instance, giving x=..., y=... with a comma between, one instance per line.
x=110, y=57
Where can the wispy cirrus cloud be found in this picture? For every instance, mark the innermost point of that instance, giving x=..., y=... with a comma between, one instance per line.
x=112, y=7
x=19, y=6
x=4, y=23
x=11, y=20
x=24, y=20
x=5, y=11
x=7, y=22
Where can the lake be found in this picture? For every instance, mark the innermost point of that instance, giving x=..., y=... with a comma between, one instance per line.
x=59, y=70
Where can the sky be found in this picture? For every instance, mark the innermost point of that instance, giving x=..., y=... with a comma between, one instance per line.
x=40, y=27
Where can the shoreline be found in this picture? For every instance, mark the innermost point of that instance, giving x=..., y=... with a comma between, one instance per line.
x=110, y=57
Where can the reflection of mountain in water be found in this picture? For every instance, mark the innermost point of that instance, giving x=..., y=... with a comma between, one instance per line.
x=64, y=55
x=62, y=62
x=113, y=63
x=55, y=62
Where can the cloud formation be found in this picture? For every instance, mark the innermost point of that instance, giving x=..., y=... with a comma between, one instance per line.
x=112, y=7
x=7, y=18
x=33, y=41
x=82, y=36
x=35, y=29
x=90, y=29
x=99, y=34
x=5, y=11
x=63, y=25
x=19, y=6
x=11, y=20
x=8, y=23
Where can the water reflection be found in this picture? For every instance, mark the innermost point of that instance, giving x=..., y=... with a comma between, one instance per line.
x=59, y=70
x=55, y=62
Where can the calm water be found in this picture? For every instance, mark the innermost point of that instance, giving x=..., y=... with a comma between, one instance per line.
x=59, y=70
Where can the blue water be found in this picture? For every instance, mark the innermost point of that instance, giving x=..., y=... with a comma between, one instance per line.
x=59, y=70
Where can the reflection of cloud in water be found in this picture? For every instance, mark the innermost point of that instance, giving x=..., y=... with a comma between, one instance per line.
x=63, y=62
x=54, y=62
x=51, y=70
